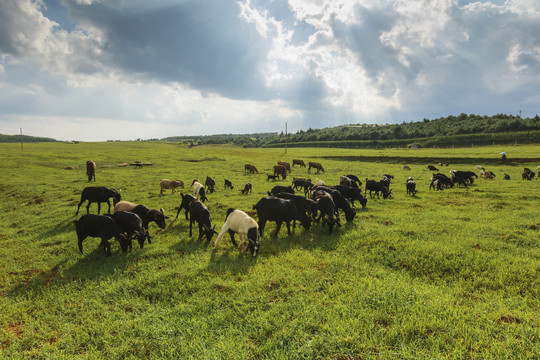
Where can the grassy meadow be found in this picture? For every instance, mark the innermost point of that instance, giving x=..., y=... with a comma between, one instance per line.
x=445, y=274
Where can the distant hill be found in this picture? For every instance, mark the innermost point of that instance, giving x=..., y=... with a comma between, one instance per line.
x=25, y=138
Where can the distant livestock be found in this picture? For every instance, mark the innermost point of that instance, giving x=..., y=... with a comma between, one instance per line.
x=210, y=184
x=101, y=226
x=170, y=184
x=247, y=188
x=527, y=174
x=298, y=162
x=506, y=176
x=91, y=170
x=351, y=194
x=377, y=187
x=487, y=174
x=406, y=167
x=198, y=191
x=237, y=221
x=228, y=185
x=251, y=169
x=432, y=168
x=98, y=194
x=281, y=189
x=315, y=165
x=286, y=165
x=281, y=171
x=411, y=186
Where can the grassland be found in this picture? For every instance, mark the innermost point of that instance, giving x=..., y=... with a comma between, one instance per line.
x=450, y=274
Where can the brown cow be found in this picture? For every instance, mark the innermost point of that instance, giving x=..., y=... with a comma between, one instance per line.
x=286, y=164
x=91, y=170
x=280, y=170
x=298, y=162
x=315, y=165
x=251, y=168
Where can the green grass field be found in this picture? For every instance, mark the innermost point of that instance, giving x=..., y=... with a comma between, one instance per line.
x=446, y=274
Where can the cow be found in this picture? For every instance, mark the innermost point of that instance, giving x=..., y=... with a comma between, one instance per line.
x=91, y=170
x=298, y=162
x=98, y=194
x=271, y=208
x=170, y=184
x=250, y=168
x=280, y=170
x=286, y=164
x=237, y=221
x=315, y=165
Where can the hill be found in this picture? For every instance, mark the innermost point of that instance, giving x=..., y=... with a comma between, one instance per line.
x=25, y=138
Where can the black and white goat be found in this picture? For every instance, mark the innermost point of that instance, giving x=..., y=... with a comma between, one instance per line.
x=242, y=224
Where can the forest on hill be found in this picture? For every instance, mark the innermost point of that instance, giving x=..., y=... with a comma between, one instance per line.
x=24, y=138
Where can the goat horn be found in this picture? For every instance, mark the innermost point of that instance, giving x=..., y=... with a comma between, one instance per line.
x=162, y=211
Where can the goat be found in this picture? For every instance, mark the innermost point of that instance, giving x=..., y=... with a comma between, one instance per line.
x=237, y=221
x=432, y=168
x=199, y=213
x=527, y=174
x=100, y=226
x=457, y=179
x=506, y=176
x=198, y=190
x=131, y=224
x=210, y=184
x=339, y=202
x=307, y=206
x=286, y=165
x=300, y=183
x=98, y=194
x=488, y=174
x=298, y=162
x=466, y=175
x=436, y=184
x=247, y=188
x=315, y=165
x=355, y=181
x=351, y=194
x=147, y=215
x=377, y=186
x=272, y=177
x=186, y=201
x=279, y=189
x=271, y=208
x=170, y=184
x=443, y=179
x=319, y=182
x=327, y=209
x=280, y=170
x=411, y=186
x=91, y=170
x=228, y=184
x=344, y=180
x=480, y=167
x=406, y=167
x=251, y=168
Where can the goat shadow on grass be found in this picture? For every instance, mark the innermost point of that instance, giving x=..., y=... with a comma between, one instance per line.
x=232, y=260
x=66, y=226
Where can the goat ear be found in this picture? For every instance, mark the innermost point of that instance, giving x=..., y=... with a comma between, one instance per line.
x=162, y=211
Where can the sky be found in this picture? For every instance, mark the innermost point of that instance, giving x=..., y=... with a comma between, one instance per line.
x=97, y=70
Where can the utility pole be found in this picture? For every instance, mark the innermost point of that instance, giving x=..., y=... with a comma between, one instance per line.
x=285, y=137
x=21, y=140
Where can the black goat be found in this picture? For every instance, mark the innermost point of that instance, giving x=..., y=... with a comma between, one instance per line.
x=466, y=175
x=432, y=168
x=186, y=200
x=300, y=183
x=199, y=212
x=377, y=186
x=411, y=187
x=280, y=189
x=356, y=181
x=339, y=201
x=98, y=194
x=228, y=184
x=327, y=209
x=100, y=226
x=271, y=208
x=131, y=224
x=247, y=188
x=306, y=207
x=147, y=215
x=443, y=179
x=351, y=194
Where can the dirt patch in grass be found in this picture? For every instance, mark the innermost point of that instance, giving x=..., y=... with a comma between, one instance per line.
x=509, y=319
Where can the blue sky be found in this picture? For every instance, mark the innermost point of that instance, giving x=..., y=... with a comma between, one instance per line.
x=94, y=70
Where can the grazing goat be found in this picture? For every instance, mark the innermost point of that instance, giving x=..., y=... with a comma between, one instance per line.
x=170, y=184
x=406, y=167
x=186, y=201
x=147, y=215
x=315, y=165
x=443, y=179
x=351, y=194
x=286, y=165
x=228, y=185
x=247, y=188
x=432, y=168
x=300, y=183
x=271, y=208
x=237, y=221
x=198, y=191
x=411, y=186
x=91, y=170
x=339, y=201
x=327, y=209
x=454, y=176
x=307, y=206
x=100, y=226
x=356, y=183
x=250, y=168
x=98, y=194
x=377, y=186
x=281, y=189
x=480, y=167
x=131, y=224
x=506, y=176
x=198, y=212
x=210, y=184
x=435, y=184
x=280, y=170
x=527, y=174
x=488, y=174
x=298, y=162
x=272, y=177
x=467, y=175
x=343, y=180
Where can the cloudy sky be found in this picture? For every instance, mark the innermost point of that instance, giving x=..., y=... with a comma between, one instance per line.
x=94, y=70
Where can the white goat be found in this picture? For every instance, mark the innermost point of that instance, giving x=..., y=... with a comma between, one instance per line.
x=319, y=182
x=242, y=224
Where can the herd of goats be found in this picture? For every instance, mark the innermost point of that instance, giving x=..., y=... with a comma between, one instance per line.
x=319, y=203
